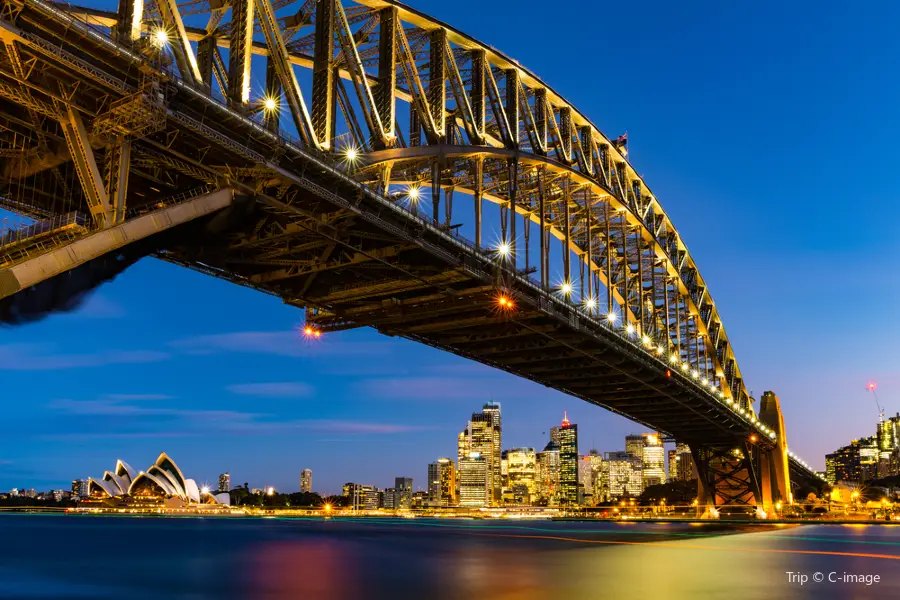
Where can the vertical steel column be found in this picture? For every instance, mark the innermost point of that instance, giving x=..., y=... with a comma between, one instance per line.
x=590, y=241
x=542, y=207
x=666, y=293
x=478, y=91
x=479, y=191
x=586, y=137
x=677, y=300
x=273, y=90
x=540, y=119
x=567, y=272
x=513, y=169
x=415, y=127
x=323, y=74
x=206, y=49
x=565, y=131
x=118, y=169
x=512, y=104
x=640, y=262
x=609, y=260
x=653, y=325
x=128, y=26
x=385, y=103
x=435, y=189
x=448, y=206
x=239, y=52
x=437, y=77
x=625, y=269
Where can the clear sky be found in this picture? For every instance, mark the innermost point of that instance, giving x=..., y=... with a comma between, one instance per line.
x=768, y=131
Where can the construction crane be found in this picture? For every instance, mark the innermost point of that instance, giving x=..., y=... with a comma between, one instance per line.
x=871, y=387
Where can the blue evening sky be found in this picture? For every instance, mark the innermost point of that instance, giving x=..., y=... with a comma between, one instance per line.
x=768, y=131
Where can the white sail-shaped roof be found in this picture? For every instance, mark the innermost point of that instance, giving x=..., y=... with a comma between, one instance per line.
x=192, y=491
x=172, y=471
x=124, y=470
x=121, y=483
x=161, y=484
x=223, y=498
x=107, y=487
x=172, y=483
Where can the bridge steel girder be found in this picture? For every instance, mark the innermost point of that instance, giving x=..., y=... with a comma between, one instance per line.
x=240, y=51
x=87, y=169
x=616, y=228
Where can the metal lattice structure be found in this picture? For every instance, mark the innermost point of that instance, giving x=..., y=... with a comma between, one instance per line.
x=375, y=126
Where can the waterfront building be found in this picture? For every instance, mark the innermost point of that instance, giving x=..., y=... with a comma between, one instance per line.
x=521, y=467
x=566, y=436
x=483, y=436
x=634, y=445
x=653, y=464
x=673, y=465
x=80, y=489
x=547, y=474
x=868, y=458
x=390, y=499
x=684, y=462
x=624, y=472
x=224, y=482
x=843, y=464
x=595, y=459
x=306, y=481
x=442, y=482
x=162, y=483
x=474, y=481
x=404, y=489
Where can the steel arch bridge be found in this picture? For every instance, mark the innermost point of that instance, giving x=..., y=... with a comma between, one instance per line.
x=323, y=152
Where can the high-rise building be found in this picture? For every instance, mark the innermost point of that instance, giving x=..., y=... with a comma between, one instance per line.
x=844, y=464
x=521, y=467
x=625, y=475
x=442, y=482
x=404, y=489
x=673, y=465
x=474, y=481
x=868, y=458
x=684, y=463
x=595, y=460
x=224, y=482
x=547, y=474
x=484, y=438
x=586, y=468
x=306, y=481
x=80, y=489
x=653, y=460
x=634, y=445
x=566, y=437
x=390, y=499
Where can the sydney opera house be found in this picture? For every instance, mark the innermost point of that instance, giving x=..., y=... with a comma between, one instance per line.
x=163, y=483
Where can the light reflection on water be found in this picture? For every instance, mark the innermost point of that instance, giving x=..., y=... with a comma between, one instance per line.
x=100, y=557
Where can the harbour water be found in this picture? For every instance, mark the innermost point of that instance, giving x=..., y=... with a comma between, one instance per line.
x=64, y=556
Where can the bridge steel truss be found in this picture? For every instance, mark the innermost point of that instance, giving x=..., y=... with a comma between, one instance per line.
x=375, y=121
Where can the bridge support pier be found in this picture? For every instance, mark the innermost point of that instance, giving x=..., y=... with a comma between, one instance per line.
x=774, y=464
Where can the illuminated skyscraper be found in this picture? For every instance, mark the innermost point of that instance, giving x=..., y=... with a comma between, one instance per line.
x=224, y=482
x=634, y=445
x=442, y=482
x=684, y=463
x=589, y=476
x=653, y=460
x=624, y=473
x=474, y=481
x=521, y=467
x=80, y=489
x=547, y=474
x=306, y=481
x=868, y=458
x=566, y=437
x=673, y=465
x=404, y=490
x=483, y=436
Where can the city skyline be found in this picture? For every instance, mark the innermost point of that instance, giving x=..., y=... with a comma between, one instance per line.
x=228, y=362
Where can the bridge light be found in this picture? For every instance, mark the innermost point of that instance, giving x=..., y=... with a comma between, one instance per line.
x=704, y=381
x=659, y=350
x=611, y=317
x=160, y=37
x=673, y=359
x=684, y=366
x=270, y=104
x=566, y=288
x=412, y=192
x=695, y=374
x=645, y=338
x=351, y=154
x=772, y=434
x=505, y=302
x=503, y=249
x=590, y=303
x=629, y=328
x=753, y=437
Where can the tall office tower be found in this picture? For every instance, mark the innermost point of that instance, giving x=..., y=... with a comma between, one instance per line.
x=356, y=496
x=673, y=466
x=547, y=474
x=474, y=481
x=404, y=489
x=224, y=482
x=586, y=480
x=634, y=445
x=624, y=473
x=483, y=436
x=80, y=489
x=566, y=437
x=684, y=463
x=521, y=472
x=442, y=482
x=504, y=478
x=595, y=460
x=888, y=435
x=601, y=484
x=653, y=460
x=868, y=458
x=306, y=481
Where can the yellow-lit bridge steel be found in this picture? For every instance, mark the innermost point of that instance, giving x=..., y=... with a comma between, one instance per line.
x=351, y=135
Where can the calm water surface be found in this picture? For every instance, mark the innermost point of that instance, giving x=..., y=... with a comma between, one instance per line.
x=136, y=558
